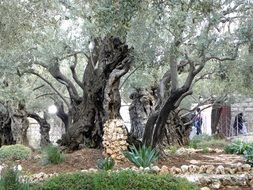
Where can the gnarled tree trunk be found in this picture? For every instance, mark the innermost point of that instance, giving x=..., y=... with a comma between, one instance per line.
x=6, y=137
x=175, y=130
x=142, y=105
x=13, y=125
x=109, y=61
x=44, y=128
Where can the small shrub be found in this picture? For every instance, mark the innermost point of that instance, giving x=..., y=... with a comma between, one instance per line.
x=238, y=147
x=123, y=180
x=52, y=155
x=14, y=152
x=143, y=157
x=10, y=180
x=105, y=164
x=248, y=154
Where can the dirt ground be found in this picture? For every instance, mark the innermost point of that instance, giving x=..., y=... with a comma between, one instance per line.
x=87, y=158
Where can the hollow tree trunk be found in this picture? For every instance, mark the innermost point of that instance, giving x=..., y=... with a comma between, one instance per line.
x=13, y=125
x=142, y=104
x=6, y=137
x=175, y=132
x=109, y=61
x=19, y=125
x=44, y=128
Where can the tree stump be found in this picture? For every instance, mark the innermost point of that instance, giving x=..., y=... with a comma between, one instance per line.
x=115, y=139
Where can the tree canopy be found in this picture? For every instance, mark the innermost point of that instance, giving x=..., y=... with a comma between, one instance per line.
x=46, y=48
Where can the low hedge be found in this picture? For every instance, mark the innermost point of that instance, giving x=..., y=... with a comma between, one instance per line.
x=14, y=152
x=123, y=180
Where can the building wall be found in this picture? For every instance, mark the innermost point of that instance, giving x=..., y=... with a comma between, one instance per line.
x=246, y=107
x=33, y=132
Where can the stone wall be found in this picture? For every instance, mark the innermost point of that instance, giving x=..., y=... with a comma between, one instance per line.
x=244, y=105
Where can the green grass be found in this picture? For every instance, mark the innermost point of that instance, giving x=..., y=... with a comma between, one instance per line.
x=205, y=141
x=124, y=180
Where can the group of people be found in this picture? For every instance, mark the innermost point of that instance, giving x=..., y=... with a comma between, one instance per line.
x=239, y=126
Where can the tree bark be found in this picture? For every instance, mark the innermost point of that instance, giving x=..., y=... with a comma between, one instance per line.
x=20, y=124
x=13, y=124
x=6, y=137
x=175, y=130
x=44, y=128
x=142, y=105
x=108, y=62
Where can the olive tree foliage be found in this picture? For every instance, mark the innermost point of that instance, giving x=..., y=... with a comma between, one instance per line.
x=194, y=34
x=56, y=51
x=230, y=78
x=49, y=40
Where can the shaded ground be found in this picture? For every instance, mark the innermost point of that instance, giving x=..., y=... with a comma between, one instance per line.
x=87, y=158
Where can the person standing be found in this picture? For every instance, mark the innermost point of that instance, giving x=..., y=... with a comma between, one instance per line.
x=198, y=122
x=239, y=124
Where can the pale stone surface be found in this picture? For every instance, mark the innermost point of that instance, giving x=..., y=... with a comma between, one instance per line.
x=220, y=170
x=216, y=184
x=210, y=169
x=246, y=167
x=184, y=168
x=164, y=169
x=193, y=169
x=173, y=169
x=194, y=162
x=114, y=139
x=205, y=188
x=202, y=169
x=155, y=169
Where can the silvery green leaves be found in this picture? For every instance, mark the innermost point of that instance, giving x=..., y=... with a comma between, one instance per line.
x=142, y=157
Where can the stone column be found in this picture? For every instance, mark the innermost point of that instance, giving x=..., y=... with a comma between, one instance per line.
x=115, y=139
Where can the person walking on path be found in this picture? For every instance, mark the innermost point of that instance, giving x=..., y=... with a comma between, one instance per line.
x=198, y=121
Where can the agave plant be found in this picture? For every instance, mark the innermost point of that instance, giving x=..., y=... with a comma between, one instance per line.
x=105, y=164
x=142, y=157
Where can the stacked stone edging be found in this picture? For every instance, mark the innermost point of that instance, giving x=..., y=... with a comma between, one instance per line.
x=115, y=139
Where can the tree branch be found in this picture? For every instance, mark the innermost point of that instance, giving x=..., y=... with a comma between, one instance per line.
x=182, y=97
x=57, y=74
x=73, y=71
x=49, y=83
x=122, y=84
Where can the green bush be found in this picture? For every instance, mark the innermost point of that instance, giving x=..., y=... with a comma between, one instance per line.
x=143, y=157
x=10, y=180
x=14, y=152
x=238, y=147
x=52, y=155
x=105, y=164
x=123, y=180
x=248, y=154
